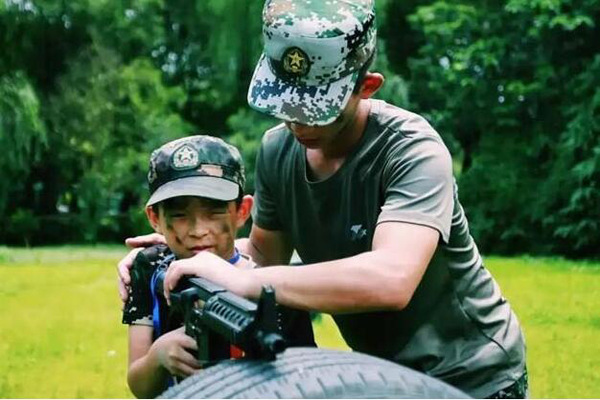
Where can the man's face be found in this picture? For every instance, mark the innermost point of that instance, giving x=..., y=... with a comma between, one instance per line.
x=194, y=224
x=318, y=137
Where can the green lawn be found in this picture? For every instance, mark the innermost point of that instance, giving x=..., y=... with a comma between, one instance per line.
x=61, y=334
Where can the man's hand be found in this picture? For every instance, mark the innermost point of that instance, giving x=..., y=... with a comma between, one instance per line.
x=137, y=244
x=145, y=240
x=213, y=268
x=171, y=352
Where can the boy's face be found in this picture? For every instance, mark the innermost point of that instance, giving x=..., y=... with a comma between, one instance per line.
x=194, y=224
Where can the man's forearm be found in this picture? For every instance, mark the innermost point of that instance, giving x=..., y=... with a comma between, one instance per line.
x=382, y=279
x=366, y=282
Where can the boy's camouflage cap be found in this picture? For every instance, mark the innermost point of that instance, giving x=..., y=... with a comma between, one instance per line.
x=202, y=166
x=313, y=50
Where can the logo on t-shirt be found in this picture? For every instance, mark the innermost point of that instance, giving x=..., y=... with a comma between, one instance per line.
x=357, y=232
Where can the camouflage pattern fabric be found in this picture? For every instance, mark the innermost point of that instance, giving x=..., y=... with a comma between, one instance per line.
x=138, y=308
x=313, y=51
x=200, y=165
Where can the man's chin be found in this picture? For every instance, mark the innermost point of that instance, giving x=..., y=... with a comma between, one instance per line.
x=309, y=143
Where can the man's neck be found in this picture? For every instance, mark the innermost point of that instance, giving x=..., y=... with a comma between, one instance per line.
x=350, y=135
x=325, y=161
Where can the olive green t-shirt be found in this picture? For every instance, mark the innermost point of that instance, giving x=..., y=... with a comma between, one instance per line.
x=457, y=327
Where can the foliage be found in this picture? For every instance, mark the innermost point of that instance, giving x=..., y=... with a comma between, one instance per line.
x=515, y=85
x=89, y=88
x=112, y=126
x=22, y=133
x=23, y=224
x=574, y=210
x=246, y=126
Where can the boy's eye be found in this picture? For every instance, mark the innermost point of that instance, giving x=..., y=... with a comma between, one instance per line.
x=177, y=215
x=218, y=214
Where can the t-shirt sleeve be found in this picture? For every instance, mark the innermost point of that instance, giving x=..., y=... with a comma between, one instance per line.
x=138, y=308
x=264, y=210
x=419, y=186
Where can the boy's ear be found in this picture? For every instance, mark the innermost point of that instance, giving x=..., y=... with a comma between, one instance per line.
x=153, y=219
x=372, y=82
x=243, y=211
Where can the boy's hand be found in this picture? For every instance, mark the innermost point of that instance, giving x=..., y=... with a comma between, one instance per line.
x=137, y=244
x=170, y=352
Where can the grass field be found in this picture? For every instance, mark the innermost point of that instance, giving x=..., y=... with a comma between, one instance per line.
x=61, y=336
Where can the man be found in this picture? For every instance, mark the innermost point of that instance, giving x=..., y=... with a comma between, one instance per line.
x=364, y=192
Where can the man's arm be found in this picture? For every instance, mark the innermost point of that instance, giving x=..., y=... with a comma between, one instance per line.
x=384, y=278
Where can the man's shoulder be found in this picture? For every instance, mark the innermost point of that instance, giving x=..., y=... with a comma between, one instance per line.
x=404, y=132
x=401, y=121
x=277, y=147
x=275, y=132
x=276, y=137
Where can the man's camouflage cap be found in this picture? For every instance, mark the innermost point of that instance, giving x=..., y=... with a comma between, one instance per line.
x=202, y=166
x=313, y=51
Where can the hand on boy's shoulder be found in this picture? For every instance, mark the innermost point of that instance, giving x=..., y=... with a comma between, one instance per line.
x=146, y=261
x=137, y=245
x=152, y=254
x=145, y=240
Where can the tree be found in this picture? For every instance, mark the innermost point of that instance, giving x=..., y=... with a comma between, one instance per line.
x=105, y=121
x=22, y=135
x=495, y=77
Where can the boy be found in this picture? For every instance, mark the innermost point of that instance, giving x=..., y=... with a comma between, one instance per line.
x=197, y=203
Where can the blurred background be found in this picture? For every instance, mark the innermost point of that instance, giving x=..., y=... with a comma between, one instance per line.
x=89, y=87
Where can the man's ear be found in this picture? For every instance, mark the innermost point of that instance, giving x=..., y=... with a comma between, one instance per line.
x=153, y=219
x=243, y=211
x=372, y=82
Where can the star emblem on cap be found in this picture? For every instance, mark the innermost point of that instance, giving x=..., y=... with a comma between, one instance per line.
x=185, y=157
x=296, y=62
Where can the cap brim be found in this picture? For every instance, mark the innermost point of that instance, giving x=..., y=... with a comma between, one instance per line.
x=201, y=186
x=308, y=105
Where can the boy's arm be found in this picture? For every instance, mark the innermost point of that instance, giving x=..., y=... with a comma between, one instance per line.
x=145, y=376
x=151, y=364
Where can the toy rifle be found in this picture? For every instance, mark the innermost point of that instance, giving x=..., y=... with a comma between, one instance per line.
x=217, y=318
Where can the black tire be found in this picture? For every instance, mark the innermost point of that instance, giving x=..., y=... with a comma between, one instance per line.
x=302, y=373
